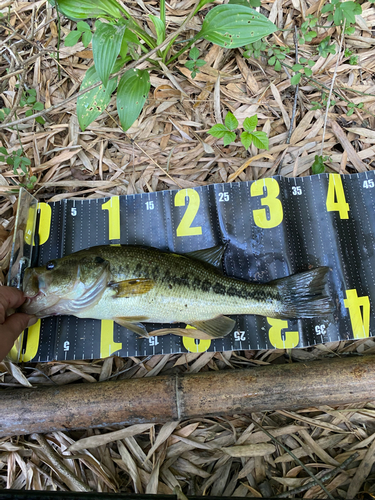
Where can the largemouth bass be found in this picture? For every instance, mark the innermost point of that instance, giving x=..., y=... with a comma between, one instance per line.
x=131, y=285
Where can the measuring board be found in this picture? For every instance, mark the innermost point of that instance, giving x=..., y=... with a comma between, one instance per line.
x=273, y=227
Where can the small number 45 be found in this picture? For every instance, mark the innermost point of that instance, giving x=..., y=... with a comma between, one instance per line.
x=368, y=184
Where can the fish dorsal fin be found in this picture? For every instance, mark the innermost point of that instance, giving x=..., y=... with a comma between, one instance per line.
x=213, y=255
x=216, y=327
x=135, y=286
x=131, y=324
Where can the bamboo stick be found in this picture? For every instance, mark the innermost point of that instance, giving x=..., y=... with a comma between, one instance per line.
x=173, y=397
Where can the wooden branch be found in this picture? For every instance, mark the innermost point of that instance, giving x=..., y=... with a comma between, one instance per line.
x=174, y=397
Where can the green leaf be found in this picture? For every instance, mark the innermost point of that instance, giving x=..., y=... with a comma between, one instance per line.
x=328, y=7
x=38, y=106
x=93, y=103
x=318, y=165
x=199, y=63
x=231, y=121
x=277, y=66
x=297, y=67
x=310, y=35
x=84, y=9
x=194, y=53
x=10, y=159
x=86, y=38
x=83, y=26
x=228, y=138
x=233, y=26
x=349, y=11
x=31, y=99
x=2, y=158
x=25, y=160
x=159, y=27
x=218, y=130
x=250, y=123
x=72, y=38
x=29, y=112
x=3, y=150
x=106, y=45
x=303, y=60
x=246, y=139
x=308, y=71
x=17, y=161
x=295, y=79
x=40, y=120
x=190, y=65
x=131, y=95
x=260, y=139
x=271, y=61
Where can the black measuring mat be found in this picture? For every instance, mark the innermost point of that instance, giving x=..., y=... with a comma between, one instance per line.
x=273, y=227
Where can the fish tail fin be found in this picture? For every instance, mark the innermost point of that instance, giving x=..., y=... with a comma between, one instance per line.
x=303, y=295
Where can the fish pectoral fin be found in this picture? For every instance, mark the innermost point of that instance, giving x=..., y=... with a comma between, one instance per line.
x=136, y=286
x=213, y=255
x=131, y=324
x=216, y=327
x=182, y=332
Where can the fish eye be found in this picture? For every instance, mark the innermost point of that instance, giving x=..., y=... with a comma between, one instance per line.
x=99, y=260
x=50, y=265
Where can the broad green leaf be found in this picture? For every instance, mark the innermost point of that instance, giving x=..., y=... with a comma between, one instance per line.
x=228, y=138
x=38, y=106
x=328, y=7
x=194, y=53
x=17, y=161
x=260, y=139
x=297, y=67
x=72, y=38
x=233, y=26
x=308, y=72
x=29, y=112
x=231, y=121
x=86, y=38
x=190, y=65
x=132, y=93
x=218, y=130
x=131, y=37
x=295, y=79
x=250, y=123
x=83, y=9
x=83, y=26
x=94, y=102
x=246, y=139
x=106, y=45
x=3, y=150
x=40, y=120
x=159, y=27
x=349, y=11
x=200, y=62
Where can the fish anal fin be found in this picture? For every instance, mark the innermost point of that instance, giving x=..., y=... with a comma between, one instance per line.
x=213, y=255
x=136, y=286
x=216, y=327
x=131, y=324
x=182, y=332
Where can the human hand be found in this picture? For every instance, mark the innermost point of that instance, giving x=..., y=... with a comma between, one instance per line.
x=13, y=325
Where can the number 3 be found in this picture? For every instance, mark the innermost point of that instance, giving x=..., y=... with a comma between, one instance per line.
x=270, y=200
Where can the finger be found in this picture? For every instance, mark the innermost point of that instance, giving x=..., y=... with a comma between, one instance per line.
x=10, y=298
x=11, y=329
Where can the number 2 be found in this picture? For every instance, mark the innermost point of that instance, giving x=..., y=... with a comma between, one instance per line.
x=185, y=227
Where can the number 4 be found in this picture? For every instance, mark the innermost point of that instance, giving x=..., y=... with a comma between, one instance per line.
x=336, y=201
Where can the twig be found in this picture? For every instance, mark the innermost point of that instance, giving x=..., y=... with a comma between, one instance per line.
x=297, y=89
x=134, y=64
x=318, y=481
x=331, y=88
x=325, y=477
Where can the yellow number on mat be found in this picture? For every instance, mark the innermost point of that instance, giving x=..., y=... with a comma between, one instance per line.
x=32, y=345
x=360, y=319
x=107, y=345
x=185, y=228
x=192, y=345
x=113, y=207
x=336, y=201
x=44, y=223
x=271, y=201
x=275, y=336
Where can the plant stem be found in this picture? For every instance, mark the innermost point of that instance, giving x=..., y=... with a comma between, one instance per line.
x=162, y=11
x=187, y=46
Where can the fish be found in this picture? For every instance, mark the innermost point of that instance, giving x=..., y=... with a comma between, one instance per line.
x=133, y=285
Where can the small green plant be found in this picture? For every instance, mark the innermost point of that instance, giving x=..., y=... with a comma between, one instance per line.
x=299, y=68
x=353, y=60
x=28, y=98
x=276, y=54
x=326, y=47
x=307, y=33
x=194, y=63
x=83, y=30
x=249, y=136
x=352, y=107
x=17, y=160
x=340, y=12
x=323, y=104
x=318, y=165
x=121, y=39
x=254, y=49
